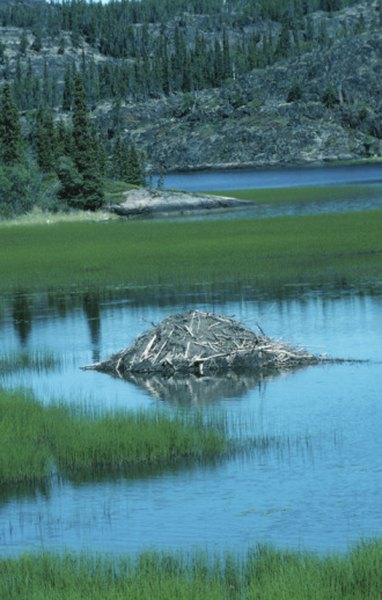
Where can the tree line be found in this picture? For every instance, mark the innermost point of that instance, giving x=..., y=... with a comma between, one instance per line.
x=158, y=62
x=66, y=162
x=149, y=49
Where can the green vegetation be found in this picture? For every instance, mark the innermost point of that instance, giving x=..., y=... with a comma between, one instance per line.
x=266, y=252
x=37, y=440
x=71, y=71
x=59, y=166
x=264, y=574
x=184, y=57
x=303, y=194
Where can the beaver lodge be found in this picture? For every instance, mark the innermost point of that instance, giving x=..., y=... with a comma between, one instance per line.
x=203, y=343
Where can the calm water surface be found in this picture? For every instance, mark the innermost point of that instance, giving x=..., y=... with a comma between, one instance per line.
x=365, y=179
x=321, y=491
x=274, y=178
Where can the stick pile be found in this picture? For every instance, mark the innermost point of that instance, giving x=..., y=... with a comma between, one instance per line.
x=203, y=343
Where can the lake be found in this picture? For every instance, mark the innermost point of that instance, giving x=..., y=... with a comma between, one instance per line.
x=319, y=489
x=365, y=181
x=239, y=179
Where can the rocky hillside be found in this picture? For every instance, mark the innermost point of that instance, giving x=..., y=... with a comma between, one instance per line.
x=316, y=101
x=324, y=105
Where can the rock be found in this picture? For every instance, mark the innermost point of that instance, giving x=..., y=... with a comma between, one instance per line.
x=146, y=202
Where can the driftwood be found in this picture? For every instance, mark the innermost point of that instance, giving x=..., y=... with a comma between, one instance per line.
x=204, y=343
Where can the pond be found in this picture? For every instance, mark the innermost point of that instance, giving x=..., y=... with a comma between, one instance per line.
x=320, y=489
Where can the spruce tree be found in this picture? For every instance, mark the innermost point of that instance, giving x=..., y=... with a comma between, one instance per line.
x=81, y=180
x=23, y=44
x=10, y=133
x=45, y=141
x=135, y=174
x=67, y=98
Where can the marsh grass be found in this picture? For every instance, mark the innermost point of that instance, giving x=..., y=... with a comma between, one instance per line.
x=304, y=194
x=264, y=574
x=31, y=361
x=38, y=440
x=267, y=252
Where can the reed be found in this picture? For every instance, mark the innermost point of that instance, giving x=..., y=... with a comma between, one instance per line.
x=264, y=253
x=263, y=574
x=25, y=454
x=37, y=440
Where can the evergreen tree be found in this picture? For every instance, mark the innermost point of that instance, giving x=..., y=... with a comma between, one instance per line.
x=44, y=140
x=81, y=180
x=10, y=133
x=295, y=92
x=2, y=53
x=71, y=182
x=329, y=97
x=67, y=97
x=120, y=160
x=37, y=42
x=61, y=45
x=23, y=45
x=283, y=44
x=227, y=69
x=135, y=175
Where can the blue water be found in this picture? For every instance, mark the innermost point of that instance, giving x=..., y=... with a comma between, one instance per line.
x=321, y=492
x=273, y=178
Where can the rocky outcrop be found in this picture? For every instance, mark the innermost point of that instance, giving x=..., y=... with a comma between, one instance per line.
x=148, y=202
x=253, y=121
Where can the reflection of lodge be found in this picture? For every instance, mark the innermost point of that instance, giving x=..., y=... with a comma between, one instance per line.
x=191, y=389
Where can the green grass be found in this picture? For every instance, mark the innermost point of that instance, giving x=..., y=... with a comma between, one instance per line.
x=37, y=440
x=306, y=194
x=264, y=574
x=266, y=252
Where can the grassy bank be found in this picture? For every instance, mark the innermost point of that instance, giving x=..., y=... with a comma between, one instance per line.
x=37, y=440
x=265, y=574
x=265, y=252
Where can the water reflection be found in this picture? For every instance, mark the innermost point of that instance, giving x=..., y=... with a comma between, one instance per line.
x=91, y=304
x=332, y=494
x=22, y=315
x=191, y=389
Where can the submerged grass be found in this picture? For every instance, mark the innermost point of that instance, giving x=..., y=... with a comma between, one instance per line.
x=266, y=252
x=31, y=361
x=36, y=440
x=264, y=574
